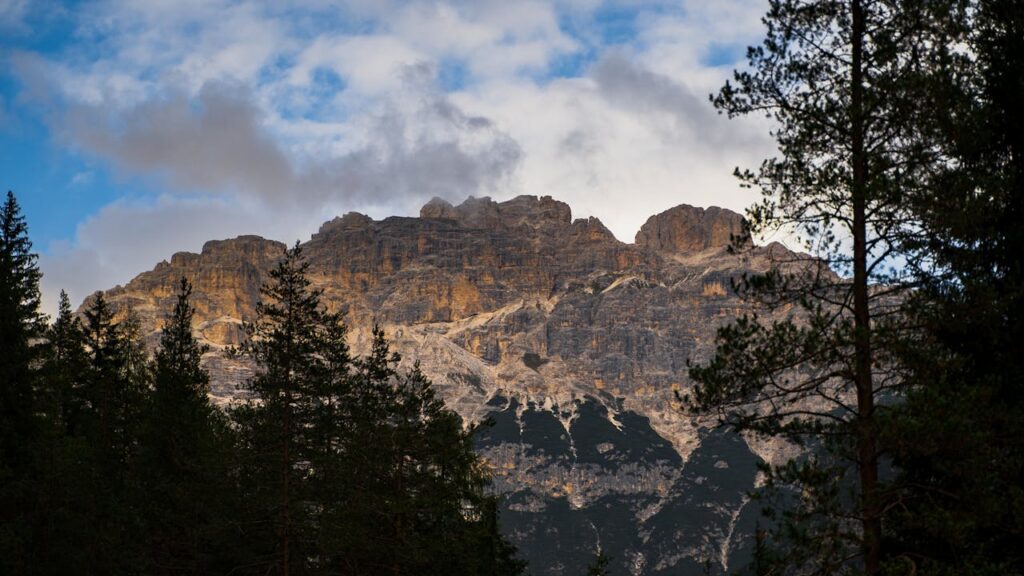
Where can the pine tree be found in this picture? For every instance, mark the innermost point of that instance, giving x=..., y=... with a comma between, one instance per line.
x=416, y=501
x=290, y=428
x=116, y=392
x=843, y=82
x=64, y=456
x=21, y=327
x=362, y=467
x=115, y=387
x=186, y=491
x=65, y=368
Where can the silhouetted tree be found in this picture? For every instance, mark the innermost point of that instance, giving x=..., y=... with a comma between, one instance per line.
x=289, y=426
x=185, y=457
x=21, y=327
x=843, y=82
x=362, y=468
x=116, y=392
x=957, y=503
x=416, y=503
x=64, y=455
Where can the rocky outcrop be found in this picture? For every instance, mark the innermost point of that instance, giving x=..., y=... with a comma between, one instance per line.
x=483, y=212
x=689, y=229
x=573, y=342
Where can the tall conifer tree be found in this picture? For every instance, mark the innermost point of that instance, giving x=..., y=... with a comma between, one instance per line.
x=21, y=327
x=358, y=466
x=185, y=457
x=302, y=359
x=116, y=392
x=64, y=456
x=843, y=82
x=65, y=368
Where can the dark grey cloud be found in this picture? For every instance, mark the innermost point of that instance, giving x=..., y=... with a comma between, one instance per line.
x=185, y=94
x=627, y=84
x=213, y=142
x=217, y=142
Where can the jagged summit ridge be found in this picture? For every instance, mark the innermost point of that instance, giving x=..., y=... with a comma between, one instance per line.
x=683, y=228
x=481, y=212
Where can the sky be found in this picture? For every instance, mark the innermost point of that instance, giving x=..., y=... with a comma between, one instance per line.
x=134, y=129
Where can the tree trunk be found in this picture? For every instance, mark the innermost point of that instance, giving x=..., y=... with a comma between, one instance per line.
x=867, y=455
x=285, y=500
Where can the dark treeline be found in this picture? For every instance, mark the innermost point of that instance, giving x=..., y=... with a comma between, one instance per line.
x=115, y=462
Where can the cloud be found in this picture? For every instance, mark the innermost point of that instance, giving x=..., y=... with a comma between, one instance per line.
x=213, y=143
x=415, y=146
x=622, y=142
x=82, y=178
x=411, y=148
x=672, y=106
x=226, y=117
x=123, y=237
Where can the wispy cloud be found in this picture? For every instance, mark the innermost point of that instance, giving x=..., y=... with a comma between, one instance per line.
x=12, y=14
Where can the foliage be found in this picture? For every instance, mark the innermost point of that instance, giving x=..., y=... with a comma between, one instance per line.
x=292, y=425
x=842, y=81
x=185, y=476
x=21, y=325
x=363, y=468
x=958, y=436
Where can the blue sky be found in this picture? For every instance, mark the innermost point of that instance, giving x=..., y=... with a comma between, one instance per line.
x=132, y=129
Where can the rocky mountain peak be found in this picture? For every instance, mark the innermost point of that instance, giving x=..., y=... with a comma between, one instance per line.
x=248, y=245
x=573, y=343
x=350, y=221
x=486, y=213
x=686, y=228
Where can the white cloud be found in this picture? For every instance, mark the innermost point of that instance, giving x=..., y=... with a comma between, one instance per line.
x=623, y=143
x=371, y=64
x=82, y=178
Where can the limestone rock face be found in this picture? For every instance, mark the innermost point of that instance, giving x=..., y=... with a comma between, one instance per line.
x=573, y=342
x=689, y=229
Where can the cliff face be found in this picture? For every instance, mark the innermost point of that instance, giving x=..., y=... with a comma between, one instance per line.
x=573, y=342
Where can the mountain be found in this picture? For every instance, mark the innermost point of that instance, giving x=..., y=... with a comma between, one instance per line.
x=572, y=342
